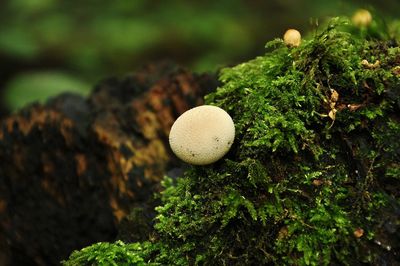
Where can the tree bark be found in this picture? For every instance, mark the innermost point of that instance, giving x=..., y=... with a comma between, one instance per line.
x=72, y=168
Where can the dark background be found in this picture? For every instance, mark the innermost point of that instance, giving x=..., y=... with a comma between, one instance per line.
x=49, y=46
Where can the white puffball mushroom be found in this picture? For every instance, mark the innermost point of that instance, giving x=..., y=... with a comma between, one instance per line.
x=292, y=37
x=202, y=135
x=362, y=18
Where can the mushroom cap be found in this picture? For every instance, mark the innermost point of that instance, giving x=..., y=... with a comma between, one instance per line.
x=292, y=37
x=202, y=135
x=362, y=18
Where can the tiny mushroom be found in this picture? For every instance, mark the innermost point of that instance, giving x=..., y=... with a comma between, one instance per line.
x=292, y=37
x=202, y=135
x=362, y=18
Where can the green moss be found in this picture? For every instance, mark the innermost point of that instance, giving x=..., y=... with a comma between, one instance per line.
x=313, y=176
x=117, y=254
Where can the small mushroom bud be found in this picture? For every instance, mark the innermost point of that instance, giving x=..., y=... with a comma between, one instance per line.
x=362, y=18
x=292, y=37
x=202, y=135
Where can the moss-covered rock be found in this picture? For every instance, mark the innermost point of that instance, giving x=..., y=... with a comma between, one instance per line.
x=313, y=177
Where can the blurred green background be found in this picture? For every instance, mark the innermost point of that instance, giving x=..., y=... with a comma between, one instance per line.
x=50, y=46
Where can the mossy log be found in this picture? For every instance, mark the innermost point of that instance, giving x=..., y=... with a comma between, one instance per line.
x=313, y=176
x=72, y=168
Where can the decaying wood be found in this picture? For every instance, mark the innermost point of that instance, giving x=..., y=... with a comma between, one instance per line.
x=71, y=169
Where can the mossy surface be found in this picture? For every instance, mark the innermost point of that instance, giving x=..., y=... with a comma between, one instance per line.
x=313, y=177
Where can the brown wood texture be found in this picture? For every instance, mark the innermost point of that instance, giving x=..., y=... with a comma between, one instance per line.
x=72, y=168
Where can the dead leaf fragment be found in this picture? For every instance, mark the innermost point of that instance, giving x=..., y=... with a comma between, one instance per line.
x=332, y=114
x=317, y=182
x=334, y=96
x=369, y=65
x=396, y=70
x=359, y=232
x=355, y=106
